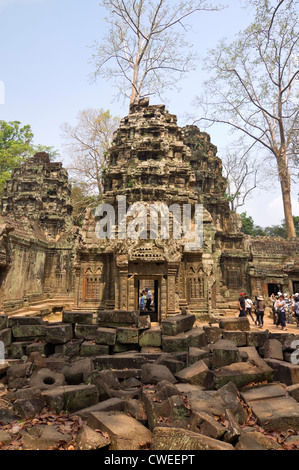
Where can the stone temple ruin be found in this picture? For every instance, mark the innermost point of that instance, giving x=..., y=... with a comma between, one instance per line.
x=153, y=161
x=170, y=378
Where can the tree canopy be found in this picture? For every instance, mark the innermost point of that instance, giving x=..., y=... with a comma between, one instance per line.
x=145, y=49
x=16, y=144
x=253, y=88
x=87, y=144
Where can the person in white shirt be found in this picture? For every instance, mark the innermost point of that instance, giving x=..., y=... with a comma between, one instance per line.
x=248, y=307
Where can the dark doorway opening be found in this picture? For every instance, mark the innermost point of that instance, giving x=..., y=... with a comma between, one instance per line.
x=295, y=287
x=274, y=289
x=154, y=287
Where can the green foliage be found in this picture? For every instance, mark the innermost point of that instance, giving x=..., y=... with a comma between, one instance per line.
x=249, y=228
x=15, y=145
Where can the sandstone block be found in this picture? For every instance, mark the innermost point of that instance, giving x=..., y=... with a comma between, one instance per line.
x=194, y=374
x=175, y=325
x=125, y=433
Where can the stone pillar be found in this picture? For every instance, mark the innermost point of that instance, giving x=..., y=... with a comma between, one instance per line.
x=171, y=288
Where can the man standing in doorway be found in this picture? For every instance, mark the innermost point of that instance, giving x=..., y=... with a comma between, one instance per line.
x=148, y=299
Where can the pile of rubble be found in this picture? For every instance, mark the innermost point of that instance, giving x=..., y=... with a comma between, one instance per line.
x=120, y=383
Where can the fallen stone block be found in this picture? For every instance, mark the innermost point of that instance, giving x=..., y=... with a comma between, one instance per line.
x=194, y=374
x=224, y=353
x=175, y=343
x=257, y=338
x=89, y=349
x=293, y=391
x=41, y=347
x=46, y=379
x=205, y=424
x=127, y=335
x=151, y=337
x=254, y=440
x=84, y=318
x=28, y=408
x=284, y=372
x=71, y=397
x=106, y=336
x=177, y=324
x=199, y=399
x=28, y=332
x=18, y=375
x=213, y=333
x=77, y=371
x=3, y=322
x=240, y=374
x=272, y=349
x=233, y=429
x=86, y=332
x=239, y=338
x=173, y=364
x=233, y=324
x=274, y=409
x=89, y=439
x=6, y=336
x=111, y=404
x=121, y=361
x=19, y=320
x=45, y=438
x=231, y=398
x=144, y=322
x=18, y=349
x=171, y=412
x=136, y=409
x=169, y=439
x=58, y=333
x=196, y=338
x=154, y=373
x=196, y=354
x=69, y=349
x=125, y=433
x=116, y=318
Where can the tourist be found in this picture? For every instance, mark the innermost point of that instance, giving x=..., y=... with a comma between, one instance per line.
x=141, y=303
x=296, y=309
x=255, y=306
x=289, y=313
x=260, y=311
x=281, y=307
x=242, y=305
x=248, y=306
x=273, y=299
x=148, y=299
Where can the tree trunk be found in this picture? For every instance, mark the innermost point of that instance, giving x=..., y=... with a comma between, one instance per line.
x=285, y=183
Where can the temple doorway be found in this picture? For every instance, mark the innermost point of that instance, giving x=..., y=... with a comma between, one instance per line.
x=274, y=289
x=295, y=287
x=153, y=284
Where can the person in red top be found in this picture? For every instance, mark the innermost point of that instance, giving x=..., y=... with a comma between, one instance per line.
x=242, y=305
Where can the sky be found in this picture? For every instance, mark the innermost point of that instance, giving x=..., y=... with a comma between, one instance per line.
x=45, y=69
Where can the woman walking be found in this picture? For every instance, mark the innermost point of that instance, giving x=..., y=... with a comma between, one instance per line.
x=281, y=306
x=260, y=311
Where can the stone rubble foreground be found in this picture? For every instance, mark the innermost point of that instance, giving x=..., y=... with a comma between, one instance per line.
x=131, y=385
